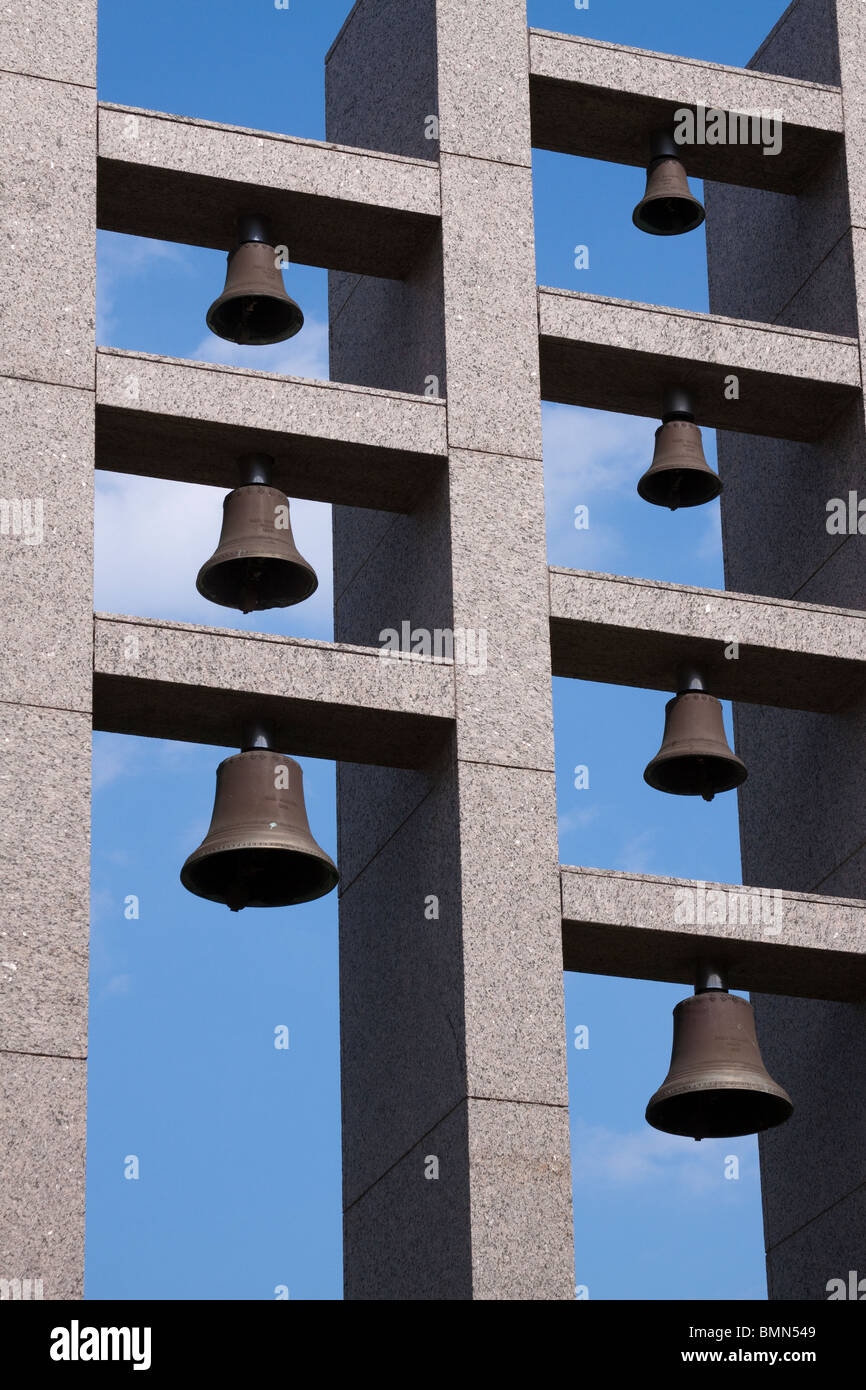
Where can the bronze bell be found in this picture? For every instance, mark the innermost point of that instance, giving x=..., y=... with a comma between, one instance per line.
x=679, y=475
x=668, y=207
x=694, y=759
x=254, y=306
x=259, y=851
x=256, y=564
x=717, y=1086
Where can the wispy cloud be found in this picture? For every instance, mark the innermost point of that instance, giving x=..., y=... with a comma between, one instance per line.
x=117, y=986
x=153, y=535
x=646, y=1157
x=305, y=355
x=593, y=459
x=638, y=853
x=124, y=258
x=590, y=458
x=578, y=819
x=710, y=546
x=111, y=759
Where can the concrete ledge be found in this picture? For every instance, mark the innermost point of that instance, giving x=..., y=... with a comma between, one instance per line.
x=186, y=180
x=638, y=632
x=189, y=421
x=205, y=685
x=613, y=354
x=603, y=101
x=650, y=928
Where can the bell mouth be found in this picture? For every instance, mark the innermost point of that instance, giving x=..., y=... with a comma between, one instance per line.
x=723, y=1113
x=679, y=487
x=259, y=877
x=254, y=583
x=691, y=774
x=668, y=216
x=254, y=319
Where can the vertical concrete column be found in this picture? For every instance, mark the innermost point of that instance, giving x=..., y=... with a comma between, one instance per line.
x=48, y=193
x=801, y=812
x=456, y=1171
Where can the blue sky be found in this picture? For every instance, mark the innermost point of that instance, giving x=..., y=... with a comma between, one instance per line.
x=238, y=1143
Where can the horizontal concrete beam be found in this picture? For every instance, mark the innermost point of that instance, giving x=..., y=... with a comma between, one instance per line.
x=639, y=632
x=603, y=101
x=185, y=180
x=648, y=928
x=616, y=355
x=323, y=700
x=189, y=421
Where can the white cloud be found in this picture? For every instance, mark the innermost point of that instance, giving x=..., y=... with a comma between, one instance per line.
x=118, y=985
x=590, y=458
x=305, y=355
x=152, y=536
x=578, y=819
x=709, y=546
x=588, y=453
x=123, y=258
x=111, y=759
x=638, y=853
x=605, y=1158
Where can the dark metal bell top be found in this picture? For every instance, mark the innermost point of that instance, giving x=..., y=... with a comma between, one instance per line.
x=254, y=307
x=679, y=475
x=694, y=759
x=259, y=851
x=717, y=1086
x=256, y=564
x=668, y=207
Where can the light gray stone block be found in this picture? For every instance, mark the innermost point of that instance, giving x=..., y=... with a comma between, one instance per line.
x=603, y=101
x=521, y=1199
x=792, y=384
x=490, y=309
x=44, y=880
x=179, y=179
x=766, y=938
x=641, y=632
x=504, y=707
x=47, y=255
x=168, y=418
x=323, y=699
x=483, y=92
x=851, y=30
x=512, y=966
x=42, y=1154
x=61, y=46
x=46, y=543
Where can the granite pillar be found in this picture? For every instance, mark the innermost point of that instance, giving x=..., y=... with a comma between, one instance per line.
x=799, y=261
x=48, y=159
x=455, y=1106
